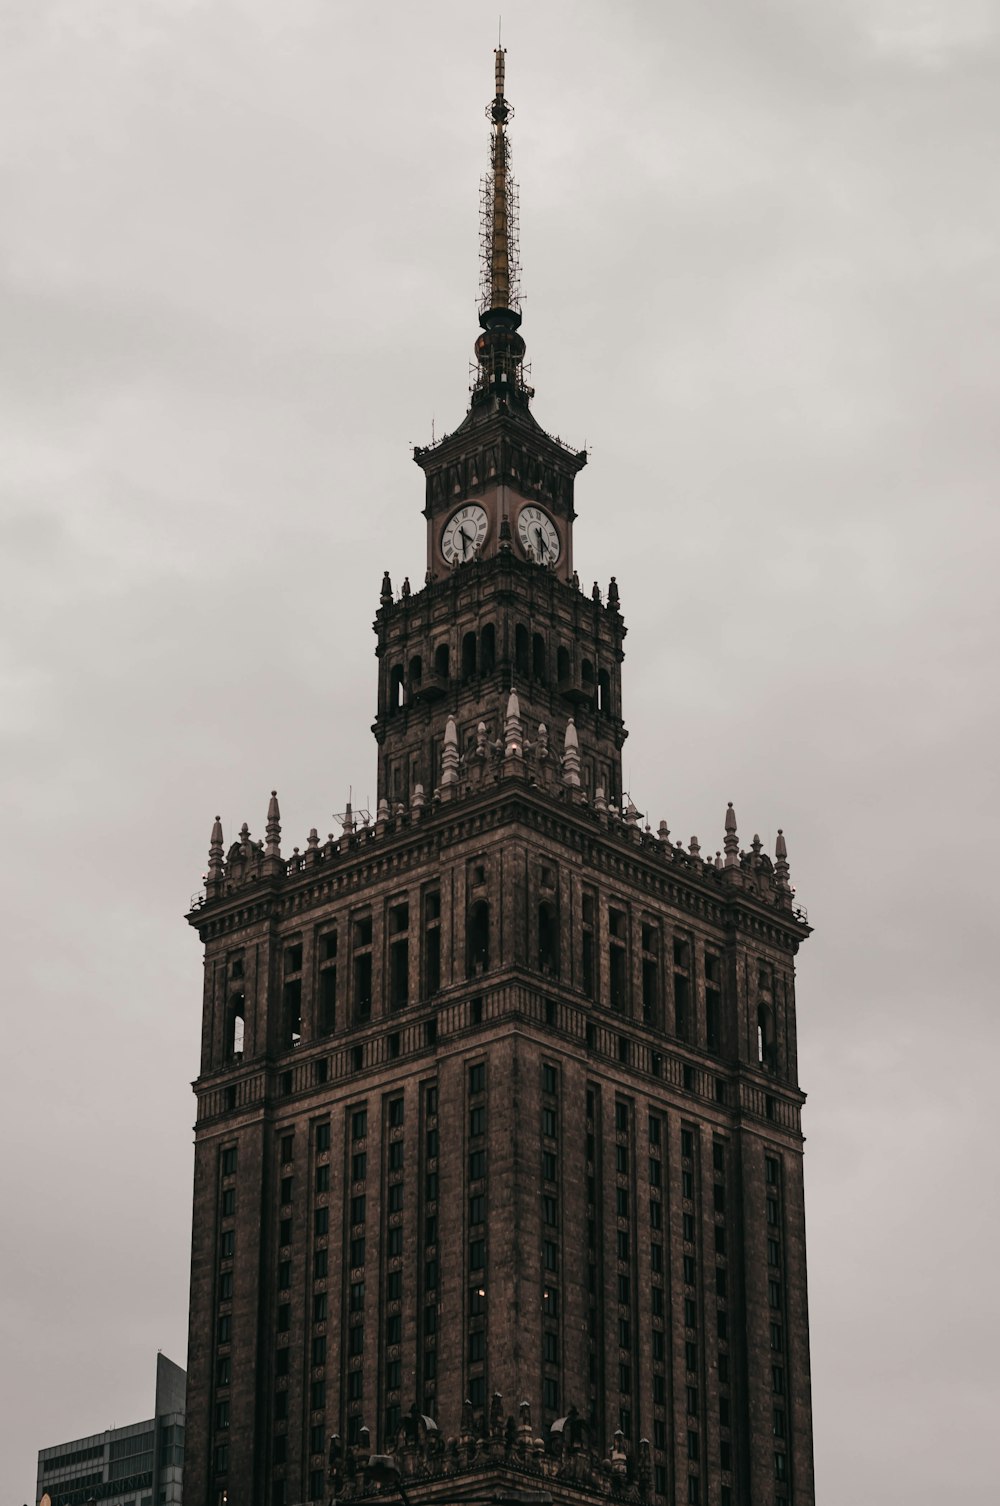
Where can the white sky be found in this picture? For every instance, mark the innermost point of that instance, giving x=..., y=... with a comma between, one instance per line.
x=238, y=269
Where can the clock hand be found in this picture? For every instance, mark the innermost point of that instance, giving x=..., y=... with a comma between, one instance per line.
x=541, y=541
x=466, y=541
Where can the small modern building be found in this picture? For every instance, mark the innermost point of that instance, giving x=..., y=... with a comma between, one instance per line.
x=137, y=1465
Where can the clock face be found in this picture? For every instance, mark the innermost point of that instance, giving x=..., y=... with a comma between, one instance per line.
x=464, y=534
x=538, y=535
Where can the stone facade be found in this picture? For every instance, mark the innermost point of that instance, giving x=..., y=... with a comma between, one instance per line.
x=498, y=1092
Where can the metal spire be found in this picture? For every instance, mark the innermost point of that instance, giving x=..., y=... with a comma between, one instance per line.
x=500, y=349
x=500, y=238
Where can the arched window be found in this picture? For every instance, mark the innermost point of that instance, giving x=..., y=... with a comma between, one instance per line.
x=441, y=660
x=548, y=940
x=538, y=658
x=416, y=672
x=562, y=664
x=587, y=674
x=478, y=939
x=521, y=652
x=765, y=1037
x=603, y=691
x=468, y=656
x=488, y=650
x=236, y=1025
x=397, y=694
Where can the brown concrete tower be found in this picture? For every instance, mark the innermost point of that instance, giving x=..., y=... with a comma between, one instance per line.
x=498, y=1093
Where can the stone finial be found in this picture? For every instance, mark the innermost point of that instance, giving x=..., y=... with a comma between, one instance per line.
x=418, y=802
x=613, y=601
x=481, y=749
x=386, y=596
x=631, y=813
x=663, y=832
x=449, y=756
x=694, y=847
x=781, y=869
x=244, y=841
x=506, y=538
x=576, y=580
x=272, y=843
x=542, y=745
x=406, y=588
x=381, y=815
x=348, y=820
x=216, y=852
x=513, y=733
x=718, y=859
x=596, y=592
x=600, y=803
x=731, y=844
x=571, y=756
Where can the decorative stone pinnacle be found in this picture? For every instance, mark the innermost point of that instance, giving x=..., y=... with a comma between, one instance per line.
x=571, y=756
x=781, y=860
x=386, y=596
x=513, y=732
x=449, y=756
x=731, y=844
x=216, y=851
x=272, y=843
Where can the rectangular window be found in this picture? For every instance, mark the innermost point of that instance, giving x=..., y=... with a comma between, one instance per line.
x=319, y=1349
x=323, y=1177
x=477, y=1209
x=320, y=1263
x=621, y=1202
x=359, y=1124
x=396, y=1155
x=357, y=1297
x=477, y=1254
x=690, y=1356
x=317, y=1395
x=477, y=1121
x=228, y=1203
x=229, y=1161
x=655, y=1172
x=690, y=1313
x=774, y=1293
x=357, y=1251
x=227, y=1244
x=396, y=1197
x=284, y=1275
x=477, y=1165
x=363, y=985
x=319, y=1307
x=358, y=1206
x=550, y=1255
x=355, y=1340
x=548, y=1078
x=687, y=1228
x=622, y=1245
x=322, y=1221
x=224, y=1329
x=394, y=1241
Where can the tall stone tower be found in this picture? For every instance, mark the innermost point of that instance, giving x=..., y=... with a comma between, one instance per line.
x=498, y=1160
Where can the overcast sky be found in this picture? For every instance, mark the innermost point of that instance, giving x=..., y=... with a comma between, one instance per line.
x=238, y=271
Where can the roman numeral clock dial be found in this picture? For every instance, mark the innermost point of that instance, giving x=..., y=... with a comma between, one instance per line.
x=538, y=536
x=464, y=534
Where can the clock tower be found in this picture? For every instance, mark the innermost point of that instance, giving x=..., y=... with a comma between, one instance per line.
x=501, y=606
x=498, y=1157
